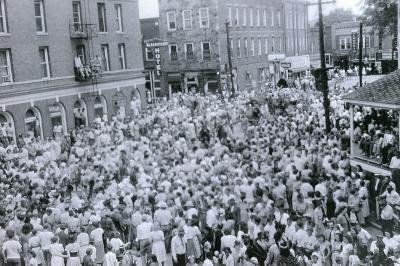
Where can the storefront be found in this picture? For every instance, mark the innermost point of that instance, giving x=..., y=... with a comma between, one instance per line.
x=80, y=113
x=100, y=107
x=58, y=119
x=33, y=123
x=119, y=104
x=299, y=66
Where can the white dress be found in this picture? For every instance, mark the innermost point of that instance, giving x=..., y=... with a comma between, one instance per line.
x=57, y=256
x=158, y=246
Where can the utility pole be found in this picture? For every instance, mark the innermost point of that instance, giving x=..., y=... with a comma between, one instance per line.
x=229, y=57
x=360, y=54
x=324, y=76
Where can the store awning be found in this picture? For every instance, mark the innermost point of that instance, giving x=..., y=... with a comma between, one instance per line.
x=316, y=66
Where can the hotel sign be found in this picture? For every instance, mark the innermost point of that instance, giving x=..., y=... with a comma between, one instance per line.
x=155, y=45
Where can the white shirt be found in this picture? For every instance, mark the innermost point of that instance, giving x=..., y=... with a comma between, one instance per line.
x=11, y=248
x=144, y=230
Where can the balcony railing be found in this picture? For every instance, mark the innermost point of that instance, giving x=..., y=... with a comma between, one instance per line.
x=174, y=56
x=83, y=31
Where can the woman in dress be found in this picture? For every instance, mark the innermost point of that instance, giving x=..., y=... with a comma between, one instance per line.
x=57, y=252
x=193, y=237
x=158, y=246
x=72, y=250
x=97, y=235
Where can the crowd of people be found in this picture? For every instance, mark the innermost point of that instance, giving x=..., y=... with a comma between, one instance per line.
x=196, y=181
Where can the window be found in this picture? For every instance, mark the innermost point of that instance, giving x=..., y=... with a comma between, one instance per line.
x=173, y=52
x=266, y=45
x=206, y=52
x=244, y=16
x=259, y=46
x=280, y=44
x=5, y=66
x=273, y=44
x=101, y=11
x=44, y=62
x=40, y=16
x=81, y=53
x=251, y=17
x=258, y=17
x=204, y=19
x=345, y=43
x=105, y=57
x=238, y=49
x=252, y=47
x=118, y=12
x=342, y=43
x=328, y=59
x=187, y=19
x=122, y=56
x=231, y=47
x=3, y=17
x=171, y=20
x=189, y=52
x=230, y=15
x=265, y=18
x=278, y=17
x=290, y=21
x=237, y=17
x=149, y=54
x=77, y=16
x=312, y=47
x=246, y=47
x=272, y=18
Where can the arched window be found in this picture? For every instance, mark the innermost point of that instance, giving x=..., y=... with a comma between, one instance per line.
x=33, y=123
x=100, y=107
x=7, y=133
x=58, y=119
x=80, y=113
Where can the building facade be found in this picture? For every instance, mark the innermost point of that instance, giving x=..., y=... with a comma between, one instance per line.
x=379, y=53
x=64, y=63
x=197, y=36
x=296, y=37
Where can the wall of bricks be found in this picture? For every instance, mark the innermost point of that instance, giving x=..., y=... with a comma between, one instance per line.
x=23, y=40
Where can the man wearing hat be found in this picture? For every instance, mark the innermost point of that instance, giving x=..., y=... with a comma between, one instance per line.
x=164, y=217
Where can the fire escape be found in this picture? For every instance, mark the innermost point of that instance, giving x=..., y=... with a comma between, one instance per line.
x=87, y=65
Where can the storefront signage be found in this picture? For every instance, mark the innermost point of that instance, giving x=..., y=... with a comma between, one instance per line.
x=156, y=44
x=276, y=57
x=299, y=63
x=54, y=108
x=157, y=57
x=286, y=65
x=354, y=41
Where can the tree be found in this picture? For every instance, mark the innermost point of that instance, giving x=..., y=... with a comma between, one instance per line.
x=382, y=15
x=338, y=15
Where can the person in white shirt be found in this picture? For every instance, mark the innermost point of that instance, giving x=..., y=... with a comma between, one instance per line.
x=208, y=261
x=110, y=259
x=11, y=250
x=178, y=248
x=228, y=240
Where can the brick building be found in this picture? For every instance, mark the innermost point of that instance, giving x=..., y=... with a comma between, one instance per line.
x=67, y=62
x=198, y=46
x=342, y=47
x=296, y=37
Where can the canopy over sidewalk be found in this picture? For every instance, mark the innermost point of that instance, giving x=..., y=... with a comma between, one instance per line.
x=382, y=93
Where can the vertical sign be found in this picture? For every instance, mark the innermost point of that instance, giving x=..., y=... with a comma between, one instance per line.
x=155, y=44
x=157, y=57
x=354, y=41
